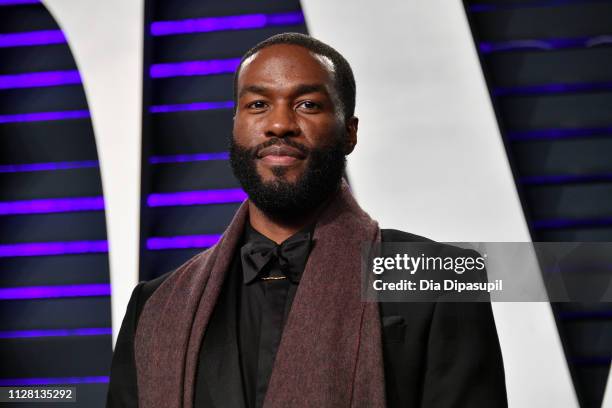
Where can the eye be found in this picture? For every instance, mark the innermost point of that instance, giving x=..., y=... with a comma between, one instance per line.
x=258, y=105
x=309, y=106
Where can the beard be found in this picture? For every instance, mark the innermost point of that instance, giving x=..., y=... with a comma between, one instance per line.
x=281, y=199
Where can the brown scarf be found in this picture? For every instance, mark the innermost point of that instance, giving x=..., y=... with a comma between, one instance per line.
x=330, y=352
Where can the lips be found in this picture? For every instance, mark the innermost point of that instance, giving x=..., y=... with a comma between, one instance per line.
x=281, y=150
x=280, y=155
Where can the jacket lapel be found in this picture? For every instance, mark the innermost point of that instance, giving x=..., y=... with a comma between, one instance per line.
x=218, y=379
x=174, y=320
x=224, y=251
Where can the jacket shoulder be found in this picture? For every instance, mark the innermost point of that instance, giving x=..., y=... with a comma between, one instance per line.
x=393, y=235
x=147, y=288
x=432, y=247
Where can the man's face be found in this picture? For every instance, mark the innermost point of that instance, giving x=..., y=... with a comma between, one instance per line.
x=290, y=137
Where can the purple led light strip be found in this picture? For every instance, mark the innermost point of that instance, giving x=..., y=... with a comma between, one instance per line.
x=27, y=167
x=551, y=134
x=23, y=334
x=32, y=38
x=479, y=8
x=565, y=178
x=552, y=89
x=5, y=382
x=209, y=24
x=186, y=158
x=182, y=242
x=544, y=44
x=40, y=79
x=592, y=360
x=235, y=195
x=579, y=315
x=569, y=223
x=18, y=2
x=188, y=107
x=51, y=292
x=191, y=68
x=43, y=116
x=53, y=248
x=52, y=205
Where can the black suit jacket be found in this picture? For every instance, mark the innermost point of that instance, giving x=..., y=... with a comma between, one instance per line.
x=435, y=354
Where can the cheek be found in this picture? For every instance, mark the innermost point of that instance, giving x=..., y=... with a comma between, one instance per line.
x=241, y=129
x=323, y=131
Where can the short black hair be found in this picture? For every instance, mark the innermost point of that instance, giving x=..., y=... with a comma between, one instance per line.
x=343, y=75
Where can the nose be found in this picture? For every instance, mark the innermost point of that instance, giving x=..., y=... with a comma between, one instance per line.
x=282, y=123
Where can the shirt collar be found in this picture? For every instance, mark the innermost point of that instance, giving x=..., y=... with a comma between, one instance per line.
x=252, y=236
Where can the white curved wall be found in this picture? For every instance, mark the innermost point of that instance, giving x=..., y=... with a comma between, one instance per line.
x=430, y=159
x=105, y=38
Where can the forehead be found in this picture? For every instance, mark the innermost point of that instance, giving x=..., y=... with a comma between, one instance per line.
x=283, y=65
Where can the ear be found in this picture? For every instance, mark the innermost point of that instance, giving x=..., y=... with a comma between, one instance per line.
x=352, y=124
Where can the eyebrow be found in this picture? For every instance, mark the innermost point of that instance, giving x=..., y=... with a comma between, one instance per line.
x=300, y=90
x=306, y=89
x=256, y=89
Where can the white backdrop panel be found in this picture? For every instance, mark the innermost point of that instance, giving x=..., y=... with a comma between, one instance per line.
x=106, y=40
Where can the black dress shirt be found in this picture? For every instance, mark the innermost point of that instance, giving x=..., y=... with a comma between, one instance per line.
x=265, y=293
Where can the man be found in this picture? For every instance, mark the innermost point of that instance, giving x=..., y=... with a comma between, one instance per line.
x=272, y=315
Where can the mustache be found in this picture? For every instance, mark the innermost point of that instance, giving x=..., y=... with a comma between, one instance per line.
x=254, y=151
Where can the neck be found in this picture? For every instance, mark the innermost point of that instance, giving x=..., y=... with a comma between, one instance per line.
x=277, y=230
